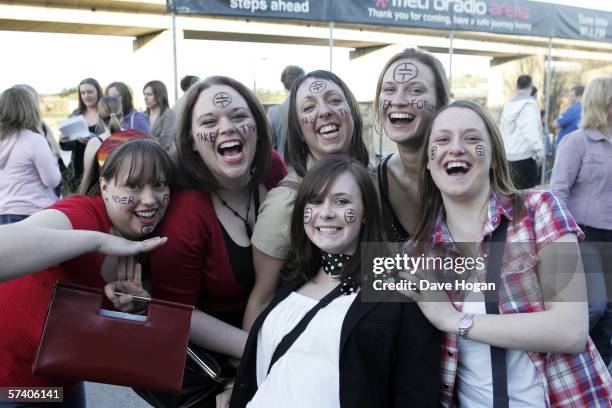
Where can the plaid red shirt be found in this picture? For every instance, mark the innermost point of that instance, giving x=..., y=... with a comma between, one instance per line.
x=569, y=380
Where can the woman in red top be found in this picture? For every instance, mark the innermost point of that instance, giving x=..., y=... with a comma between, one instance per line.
x=226, y=163
x=78, y=239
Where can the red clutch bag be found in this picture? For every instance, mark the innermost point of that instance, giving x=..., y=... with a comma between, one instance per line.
x=82, y=341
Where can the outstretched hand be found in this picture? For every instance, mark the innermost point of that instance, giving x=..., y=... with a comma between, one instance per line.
x=129, y=281
x=117, y=246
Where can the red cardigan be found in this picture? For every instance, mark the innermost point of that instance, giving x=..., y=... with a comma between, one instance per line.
x=193, y=267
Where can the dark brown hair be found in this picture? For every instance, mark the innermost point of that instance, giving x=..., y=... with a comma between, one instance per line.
x=89, y=81
x=194, y=172
x=425, y=58
x=148, y=162
x=305, y=260
x=160, y=92
x=126, y=96
x=430, y=199
x=296, y=150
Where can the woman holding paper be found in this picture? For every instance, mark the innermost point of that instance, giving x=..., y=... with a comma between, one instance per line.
x=28, y=170
x=90, y=93
x=80, y=239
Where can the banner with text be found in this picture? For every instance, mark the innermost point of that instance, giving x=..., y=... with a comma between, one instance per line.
x=515, y=17
x=283, y=9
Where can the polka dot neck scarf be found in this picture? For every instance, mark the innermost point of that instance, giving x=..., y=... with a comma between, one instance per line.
x=333, y=264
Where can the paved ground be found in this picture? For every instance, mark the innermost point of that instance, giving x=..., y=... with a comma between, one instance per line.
x=111, y=396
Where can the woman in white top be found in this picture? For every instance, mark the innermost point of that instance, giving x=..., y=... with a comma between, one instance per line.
x=28, y=170
x=352, y=353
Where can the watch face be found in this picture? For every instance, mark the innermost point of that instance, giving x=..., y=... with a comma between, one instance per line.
x=465, y=322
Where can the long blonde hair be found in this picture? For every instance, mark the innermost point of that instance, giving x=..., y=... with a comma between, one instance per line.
x=110, y=113
x=18, y=110
x=596, y=99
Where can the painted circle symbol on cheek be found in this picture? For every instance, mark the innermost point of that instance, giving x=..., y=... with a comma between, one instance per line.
x=433, y=152
x=317, y=86
x=146, y=229
x=222, y=99
x=307, y=215
x=350, y=216
x=404, y=72
x=480, y=150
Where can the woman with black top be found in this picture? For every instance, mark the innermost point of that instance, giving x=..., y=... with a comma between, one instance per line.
x=90, y=93
x=351, y=353
x=411, y=87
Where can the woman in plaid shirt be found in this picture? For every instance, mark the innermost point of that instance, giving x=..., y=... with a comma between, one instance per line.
x=466, y=191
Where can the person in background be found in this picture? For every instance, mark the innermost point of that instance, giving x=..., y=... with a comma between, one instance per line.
x=582, y=178
x=277, y=115
x=90, y=93
x=324, y=119
x=80, y=239
x=521, y=129
x=162, y=119
x=110, y=113
x=411, y=87
x=186, y=83
x=29, y=172
x=567, y=122
x=466, y=196
x=132, y=119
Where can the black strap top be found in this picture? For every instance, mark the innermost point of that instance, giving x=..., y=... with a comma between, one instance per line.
x=241, y=258
x=393, y=228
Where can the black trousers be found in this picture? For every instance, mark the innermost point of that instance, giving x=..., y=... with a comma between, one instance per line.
x=524, y=173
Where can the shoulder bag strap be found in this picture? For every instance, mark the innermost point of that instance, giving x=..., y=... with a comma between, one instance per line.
x=293, y=335
x=498, y=355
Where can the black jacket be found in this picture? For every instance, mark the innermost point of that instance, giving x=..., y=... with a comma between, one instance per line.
x=389, y=356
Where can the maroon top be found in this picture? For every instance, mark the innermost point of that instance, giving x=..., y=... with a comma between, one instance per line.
x=194, y=266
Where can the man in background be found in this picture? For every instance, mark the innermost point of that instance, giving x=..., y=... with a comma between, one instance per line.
x=277, y=115
x=521, y=131
x=186, y=83
x=567, y=122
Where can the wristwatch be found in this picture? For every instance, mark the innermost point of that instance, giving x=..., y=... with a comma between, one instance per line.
x=465, y=324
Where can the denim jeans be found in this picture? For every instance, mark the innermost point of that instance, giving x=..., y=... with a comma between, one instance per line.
x=597, y=261
x=11, y=218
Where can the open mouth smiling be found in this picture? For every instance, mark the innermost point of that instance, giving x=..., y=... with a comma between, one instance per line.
x=328, y=130
x=457, y=167
x=230, y=149
x=147, y=216
x=328, y=229
x=401, y=118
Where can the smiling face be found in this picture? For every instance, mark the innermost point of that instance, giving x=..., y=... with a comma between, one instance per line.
x=224, y=134
x=333, y=222
x=460, y=152
x=149, y=98
x=325, y=117
x=134, y=207
x=407, y=100
x=89, y=95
